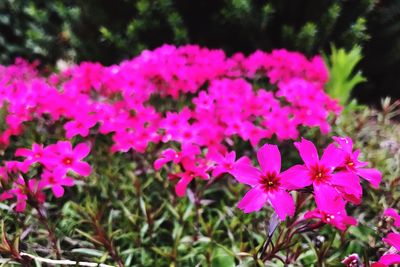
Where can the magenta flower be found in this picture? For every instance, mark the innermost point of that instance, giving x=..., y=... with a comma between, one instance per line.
x=66, y=159
x=20, y=192
x=80, y=126
x=339, y=219
x=38, y=153
x=225, y=164
x=170, y=155
x=391, y=258
x=55, y=181
x=393, y=213
x=268, y=184
x=31, y=156
x=352, y=164
x=320, y=173
x=193, y=170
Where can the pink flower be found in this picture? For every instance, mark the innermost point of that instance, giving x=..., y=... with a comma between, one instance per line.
x=338, y=219
x=267, y=184
x=193, y=170
x=20, y=192
x=31, y=156
x=169, y=155
x=66, y=159
x=320, y=173
x=13, y=166
x=393, y=213
x=55, y=181
x=80, y=126
x=352, y=164
x=225, y=164
x=390, y=258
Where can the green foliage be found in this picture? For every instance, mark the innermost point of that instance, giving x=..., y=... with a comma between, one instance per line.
x=382, y=53
x=125, y=207
x=34, y=29
x=85, y=30
x=342, y=75
x=221, y=258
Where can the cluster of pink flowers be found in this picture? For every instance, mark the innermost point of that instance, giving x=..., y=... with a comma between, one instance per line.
x=208, y=101
x=334, y=177
x=199, y=102
x=222, y=93
x=55, y=162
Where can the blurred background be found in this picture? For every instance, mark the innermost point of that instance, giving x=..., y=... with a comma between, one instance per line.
x=110, y=31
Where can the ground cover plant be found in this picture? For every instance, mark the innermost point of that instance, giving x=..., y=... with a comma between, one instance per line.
x=183, y=156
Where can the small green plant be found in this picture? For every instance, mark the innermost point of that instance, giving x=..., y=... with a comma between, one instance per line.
x=343, y=78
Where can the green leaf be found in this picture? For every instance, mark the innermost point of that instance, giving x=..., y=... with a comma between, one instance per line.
x=342, y=75
x=221, y=258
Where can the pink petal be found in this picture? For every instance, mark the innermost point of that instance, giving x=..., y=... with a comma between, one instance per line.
x=214, y=155
x=246, y=174
x=307, y=151
x=67, y=181
x=296, y=177
x=371, y=175
x=349, y=182
x=390, y=259
x=84, y=131
x=160, y=162
x=20, y=207
x=393, y=213
x=82, y=168
x=81, y=150
x=218, y=171
x=180, y=187
x=169, y=153
x=190, y=149
x=282, y=202
x=254, y=200
x=5, y=195
x=313, y=214
x=269, y=159
x=332, y=157
x=344, y=142
x=231, y=156
x=390, y=212
x=393, y=240
x=349, y=220
x=58, y=190
x=328, y=199
x=64, y=147
x=61, y=171
x=23, y=152
x=70, y=133
x=244, y=160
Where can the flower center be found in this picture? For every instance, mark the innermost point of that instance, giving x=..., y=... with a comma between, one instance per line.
x=187, y=135
x=67, y=161
x=329, y=217
x=52, y=180
x=270, y=182
x=349, y=163
x=319, y=174
x=228, y=166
